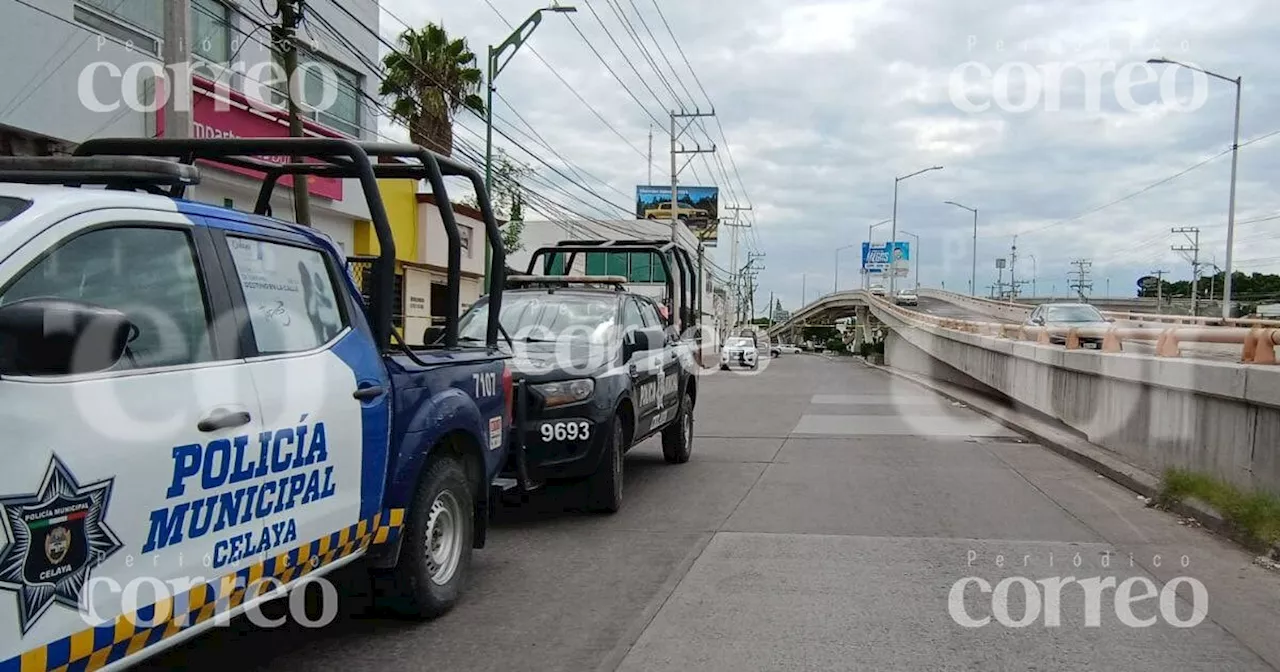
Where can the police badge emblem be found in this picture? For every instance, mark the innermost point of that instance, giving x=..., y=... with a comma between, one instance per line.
x=57, y=536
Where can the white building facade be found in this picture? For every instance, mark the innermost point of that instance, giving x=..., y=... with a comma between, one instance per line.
x=88, y=68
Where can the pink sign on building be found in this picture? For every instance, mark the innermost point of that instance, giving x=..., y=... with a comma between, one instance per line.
x=218, y=112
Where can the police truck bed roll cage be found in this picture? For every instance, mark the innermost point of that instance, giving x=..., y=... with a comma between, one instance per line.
x=341, y=158
x=684, y=262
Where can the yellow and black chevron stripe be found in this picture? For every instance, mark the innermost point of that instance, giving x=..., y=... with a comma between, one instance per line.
x=96, y=647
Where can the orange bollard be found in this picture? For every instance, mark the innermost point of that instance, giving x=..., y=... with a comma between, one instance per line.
x=1043, y=337
x=1250, y=346
x=1111, y=342
x=1073, y=340
x=1266, y=351
x=1167, y=344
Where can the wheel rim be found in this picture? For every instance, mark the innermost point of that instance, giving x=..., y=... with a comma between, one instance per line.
x=688, y=426
x=444, y=538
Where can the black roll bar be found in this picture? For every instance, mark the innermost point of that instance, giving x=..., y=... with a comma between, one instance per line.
x=574, y=247
x=688, y=292
x=342, y=158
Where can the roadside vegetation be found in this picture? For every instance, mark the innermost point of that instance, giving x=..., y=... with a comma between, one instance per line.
x=1255, y=514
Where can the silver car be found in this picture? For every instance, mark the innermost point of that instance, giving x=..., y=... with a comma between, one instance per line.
x=1069, y=315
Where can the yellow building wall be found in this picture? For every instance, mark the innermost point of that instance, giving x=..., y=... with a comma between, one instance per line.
x=400, y=198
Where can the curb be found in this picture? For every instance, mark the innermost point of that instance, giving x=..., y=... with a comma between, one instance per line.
x=1080, y=451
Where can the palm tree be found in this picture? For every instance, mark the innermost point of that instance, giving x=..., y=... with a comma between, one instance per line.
x=430, y=78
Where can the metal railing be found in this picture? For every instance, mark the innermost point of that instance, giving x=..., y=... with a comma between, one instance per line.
x=1130, y=316
x=1257, y=342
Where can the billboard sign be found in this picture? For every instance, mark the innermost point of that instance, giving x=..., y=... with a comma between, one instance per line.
x=879, y=258
x=697, y=207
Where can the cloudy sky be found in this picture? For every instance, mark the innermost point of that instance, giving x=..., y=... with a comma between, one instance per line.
x=1043, y=114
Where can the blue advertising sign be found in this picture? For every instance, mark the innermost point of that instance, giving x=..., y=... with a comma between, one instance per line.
x=878, y=258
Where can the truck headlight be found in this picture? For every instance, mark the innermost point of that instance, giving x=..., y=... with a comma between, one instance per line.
x=566, y=391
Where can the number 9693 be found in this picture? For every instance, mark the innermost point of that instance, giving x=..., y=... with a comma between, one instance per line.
x=565, y=430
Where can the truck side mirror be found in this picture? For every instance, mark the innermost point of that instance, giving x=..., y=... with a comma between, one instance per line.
x=52, y=337
x=432, y=334
x=642, y=340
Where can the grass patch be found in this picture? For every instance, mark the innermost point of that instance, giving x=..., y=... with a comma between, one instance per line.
x=1255, y=513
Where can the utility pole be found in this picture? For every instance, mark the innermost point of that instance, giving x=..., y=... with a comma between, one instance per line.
x=1193, y=235
x=770, y=310
x=675, y=172
x=999, y=279
x=749, y=274
x=1159, y=273
x=733, y=246
x=1013, y=264
x=286, y=42
x=177, y=58
x=1081, y=283
x=649, y=162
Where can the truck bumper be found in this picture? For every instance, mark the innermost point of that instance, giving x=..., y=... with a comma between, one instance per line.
x=533, y=460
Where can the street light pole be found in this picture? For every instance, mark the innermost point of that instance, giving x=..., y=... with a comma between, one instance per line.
x=894, y=238
x=915, y=256
x=835, y=285
x=866, y=279
x=973, y=271
x=494, y=67
x=1231, y=205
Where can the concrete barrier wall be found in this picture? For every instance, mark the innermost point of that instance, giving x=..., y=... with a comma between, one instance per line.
x=1216, y=417
x=995, y=309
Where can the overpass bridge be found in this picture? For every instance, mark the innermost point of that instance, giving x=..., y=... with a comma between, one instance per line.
x=1160, y=391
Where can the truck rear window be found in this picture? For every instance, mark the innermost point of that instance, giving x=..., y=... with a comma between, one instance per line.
x=11, y=207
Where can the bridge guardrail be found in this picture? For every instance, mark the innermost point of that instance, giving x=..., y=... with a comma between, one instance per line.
x=1128, y=316
x=1257, y=342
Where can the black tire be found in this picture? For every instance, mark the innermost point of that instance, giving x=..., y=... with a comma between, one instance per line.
x=604, y=488
x=724, y=367
x=418, y=587
x=677, y=437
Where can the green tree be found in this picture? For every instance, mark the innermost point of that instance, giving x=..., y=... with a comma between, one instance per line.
x=508, y=198
x=431, y=77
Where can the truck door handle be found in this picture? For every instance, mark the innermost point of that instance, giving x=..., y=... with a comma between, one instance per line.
x=368, y=393
x=223, y=419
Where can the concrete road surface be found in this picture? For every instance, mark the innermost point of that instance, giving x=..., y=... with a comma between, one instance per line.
x=828, y=514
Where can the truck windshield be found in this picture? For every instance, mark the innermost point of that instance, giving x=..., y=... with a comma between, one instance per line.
x=544, y=317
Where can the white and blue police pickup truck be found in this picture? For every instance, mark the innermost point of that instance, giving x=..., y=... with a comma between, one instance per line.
x=201, y=409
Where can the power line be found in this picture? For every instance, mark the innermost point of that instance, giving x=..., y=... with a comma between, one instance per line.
x=609, y=35
x=1149, y=187
x=631, y=31
x=542, y=60
x=611, y=72
x=429, y=77
x=703, y=89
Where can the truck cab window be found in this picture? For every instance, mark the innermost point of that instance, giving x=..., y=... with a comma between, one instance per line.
x=289, y=293
x=149, y=274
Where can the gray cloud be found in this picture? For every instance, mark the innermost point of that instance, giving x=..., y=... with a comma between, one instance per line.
x=824, y=103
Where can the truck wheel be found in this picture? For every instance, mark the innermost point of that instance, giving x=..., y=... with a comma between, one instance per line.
x=605, y=486
x=677, y=437
x=435, y=553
